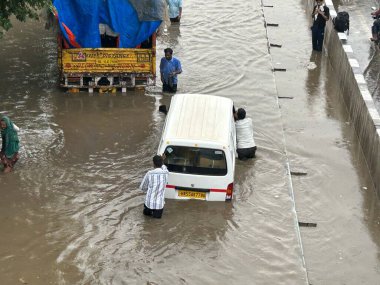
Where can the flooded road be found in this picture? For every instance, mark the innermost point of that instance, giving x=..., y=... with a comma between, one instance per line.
x=71, y=212
x=365, y=51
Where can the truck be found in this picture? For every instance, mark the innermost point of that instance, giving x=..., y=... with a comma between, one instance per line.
x=107, y=45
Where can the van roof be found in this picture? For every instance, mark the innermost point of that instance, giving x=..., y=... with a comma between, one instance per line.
x=199, y=117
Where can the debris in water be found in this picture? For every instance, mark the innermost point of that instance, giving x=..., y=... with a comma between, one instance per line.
x=298, y=173
x=310, y=225
x=311, y=65
x=23, y=281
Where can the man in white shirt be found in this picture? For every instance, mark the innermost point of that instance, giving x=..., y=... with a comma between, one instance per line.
x=175, y=10
x=153, y=184
x=246, y=147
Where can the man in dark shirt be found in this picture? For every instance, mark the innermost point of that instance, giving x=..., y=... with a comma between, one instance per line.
x=320, y=15
x=376, y=25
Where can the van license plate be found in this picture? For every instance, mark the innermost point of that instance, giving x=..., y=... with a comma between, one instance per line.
x=192, y=194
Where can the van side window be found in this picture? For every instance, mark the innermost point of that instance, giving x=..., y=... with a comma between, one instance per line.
x=193, y=160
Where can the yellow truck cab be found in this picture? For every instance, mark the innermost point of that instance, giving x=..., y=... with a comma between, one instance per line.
x=107, y=44
x=107, y=67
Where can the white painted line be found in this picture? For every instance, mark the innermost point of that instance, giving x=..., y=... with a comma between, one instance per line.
x=296, y=220
x=353, y=62
x=374, y=113
x=347, y=48
x=366, y=95
x=359, y=78
x=342, y=36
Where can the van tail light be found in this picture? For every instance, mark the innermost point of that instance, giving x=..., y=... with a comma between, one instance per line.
x=230, y=190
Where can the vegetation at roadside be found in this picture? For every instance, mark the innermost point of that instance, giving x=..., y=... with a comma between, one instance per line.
x=21, y=9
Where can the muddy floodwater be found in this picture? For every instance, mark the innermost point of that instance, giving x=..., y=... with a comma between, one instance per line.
x=71, y=212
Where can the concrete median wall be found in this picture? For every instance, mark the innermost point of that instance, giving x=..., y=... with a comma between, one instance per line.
x=355, y=94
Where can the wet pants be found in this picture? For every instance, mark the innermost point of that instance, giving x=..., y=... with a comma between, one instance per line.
x=8, y=162
x=317, y=34
x=155, y=213
x=376, y=29
x=246, y=153
x=169, y=88
x=175, y=20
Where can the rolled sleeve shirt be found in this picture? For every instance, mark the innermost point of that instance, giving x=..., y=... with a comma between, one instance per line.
x=153, y=184
x=167, y=67
x=174, y=6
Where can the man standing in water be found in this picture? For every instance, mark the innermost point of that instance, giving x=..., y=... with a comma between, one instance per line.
x=175, y=10
x=246, y=147
x=169, y=68
x=320, y=15
x=10, y=144
x=153, y=184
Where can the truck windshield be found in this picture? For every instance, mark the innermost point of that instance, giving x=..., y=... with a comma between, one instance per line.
x=193, y=160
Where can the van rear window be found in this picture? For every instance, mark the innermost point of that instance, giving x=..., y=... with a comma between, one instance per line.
x=193, y=160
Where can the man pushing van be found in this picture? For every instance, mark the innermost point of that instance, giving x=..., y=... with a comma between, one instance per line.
x=153, y=184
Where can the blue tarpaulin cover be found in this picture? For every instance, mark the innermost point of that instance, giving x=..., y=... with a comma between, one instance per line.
x=79, y=21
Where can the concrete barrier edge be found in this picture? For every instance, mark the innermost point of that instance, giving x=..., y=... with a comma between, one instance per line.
x=355, y=93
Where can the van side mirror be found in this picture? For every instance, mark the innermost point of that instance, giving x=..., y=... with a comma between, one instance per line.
x=163, y=109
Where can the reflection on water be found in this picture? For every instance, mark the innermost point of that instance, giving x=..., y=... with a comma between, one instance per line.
x=313, y=82
x=171, y=37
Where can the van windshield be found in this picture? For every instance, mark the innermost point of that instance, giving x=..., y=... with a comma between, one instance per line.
x=194, y=160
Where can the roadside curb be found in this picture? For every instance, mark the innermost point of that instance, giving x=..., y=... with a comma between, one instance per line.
x=355, y=94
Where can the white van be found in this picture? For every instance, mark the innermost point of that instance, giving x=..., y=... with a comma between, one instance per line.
x=199, y=142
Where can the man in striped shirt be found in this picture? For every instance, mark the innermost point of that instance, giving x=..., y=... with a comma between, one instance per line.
x=153, y=184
